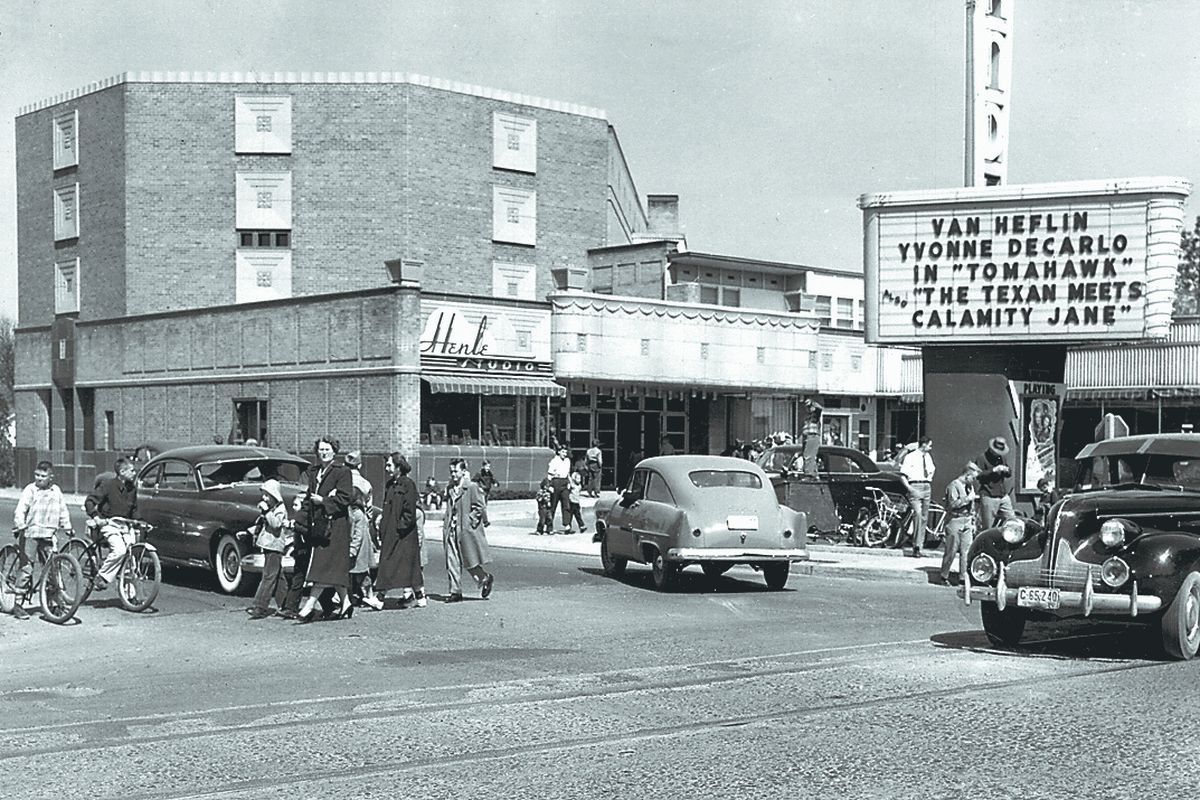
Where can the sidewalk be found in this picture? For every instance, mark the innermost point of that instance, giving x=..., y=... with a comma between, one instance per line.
x=514, y=521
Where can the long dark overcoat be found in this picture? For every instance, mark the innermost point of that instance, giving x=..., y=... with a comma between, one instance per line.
x=329, y=531
x=399, y=539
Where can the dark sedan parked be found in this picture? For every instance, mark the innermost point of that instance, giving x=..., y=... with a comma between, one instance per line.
x=838, y=491
x=1124, y=545
x=199, y=499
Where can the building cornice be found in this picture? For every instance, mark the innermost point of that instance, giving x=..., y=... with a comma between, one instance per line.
x=262, y=78
x=586, y=301
x=1028, y=191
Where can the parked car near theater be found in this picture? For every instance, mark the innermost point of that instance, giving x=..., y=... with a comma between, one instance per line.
x=713, y=511
x=1123, y=545
x=202, y=499
x=838, y=492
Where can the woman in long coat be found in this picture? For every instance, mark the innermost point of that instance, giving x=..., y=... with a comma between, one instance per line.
x=330, y=493
x=400, y=540
x=463, y=533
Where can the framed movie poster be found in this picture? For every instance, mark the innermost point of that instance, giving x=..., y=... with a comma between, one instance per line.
x=1040, y=434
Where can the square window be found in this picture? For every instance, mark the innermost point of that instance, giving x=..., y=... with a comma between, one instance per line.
x=66, y=212
x=514, y=215
x=66, y=140
x=262, y=123
x=283, y=239
x=264, y=239
x=514, y=142
x=246, y=239
x=66, y=286
x=709, y=295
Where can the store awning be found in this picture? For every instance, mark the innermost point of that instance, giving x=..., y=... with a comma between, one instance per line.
x=487, y=384
x=1107, y=393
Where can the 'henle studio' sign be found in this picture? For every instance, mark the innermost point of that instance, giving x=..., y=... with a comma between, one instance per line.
x=478, y=339
x=1064, y=262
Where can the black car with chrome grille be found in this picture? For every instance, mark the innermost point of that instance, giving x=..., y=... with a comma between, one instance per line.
x=1124, y=544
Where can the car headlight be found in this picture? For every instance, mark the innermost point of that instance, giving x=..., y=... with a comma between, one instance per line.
x=983, y=568
x=1013, y=531
x=1114, y=571
x=1112, y=533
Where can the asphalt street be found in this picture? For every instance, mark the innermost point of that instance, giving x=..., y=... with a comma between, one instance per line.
x=570, y=684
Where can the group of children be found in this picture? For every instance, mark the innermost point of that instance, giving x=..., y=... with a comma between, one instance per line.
x=572, y=511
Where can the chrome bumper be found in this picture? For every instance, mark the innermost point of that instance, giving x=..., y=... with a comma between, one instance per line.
x=735, y=554
x=1086, y=602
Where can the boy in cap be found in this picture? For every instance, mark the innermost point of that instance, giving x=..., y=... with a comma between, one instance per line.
x=272, y=538
x=960, y=519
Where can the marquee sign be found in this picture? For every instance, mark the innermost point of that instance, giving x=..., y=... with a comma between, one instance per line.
x=1070, y=262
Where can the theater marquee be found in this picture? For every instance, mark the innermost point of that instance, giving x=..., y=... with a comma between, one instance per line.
x=1081, y=261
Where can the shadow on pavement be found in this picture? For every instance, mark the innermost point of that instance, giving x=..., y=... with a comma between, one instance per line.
x=690, y=581
x=1067, y=640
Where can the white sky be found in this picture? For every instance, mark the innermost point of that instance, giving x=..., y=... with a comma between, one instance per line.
x=768, y=118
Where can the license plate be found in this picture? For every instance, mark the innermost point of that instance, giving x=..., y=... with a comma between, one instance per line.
x=742, y=522
x=1034, y=597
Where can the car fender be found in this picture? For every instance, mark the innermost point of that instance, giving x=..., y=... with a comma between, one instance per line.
x=794, y=521
x=1160, y=560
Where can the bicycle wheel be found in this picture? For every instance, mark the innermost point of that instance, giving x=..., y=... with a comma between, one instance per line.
x=935, y=523
x=85, y=554
x=10, y=568
x=140, y=577
x=874, y=531
x=60, y=590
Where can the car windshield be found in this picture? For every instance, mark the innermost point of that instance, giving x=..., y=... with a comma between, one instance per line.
x=1158, y=469
x=779, y=460
x=715, y=478
x=249, y=470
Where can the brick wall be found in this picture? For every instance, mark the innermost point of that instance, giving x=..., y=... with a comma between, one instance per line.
x=102, y=226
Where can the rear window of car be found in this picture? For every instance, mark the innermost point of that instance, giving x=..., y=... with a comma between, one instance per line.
x=715, y=478
x=251, y=470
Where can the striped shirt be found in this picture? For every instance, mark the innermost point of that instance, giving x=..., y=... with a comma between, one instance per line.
x=41, y=512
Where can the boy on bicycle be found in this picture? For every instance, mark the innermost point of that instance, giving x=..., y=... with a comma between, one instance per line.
x=115, y=496
x=41, y=513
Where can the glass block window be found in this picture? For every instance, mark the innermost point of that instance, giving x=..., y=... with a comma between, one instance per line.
x=66, y=286
x=812, y=359
x=524, y=340
x=514, y=280
x=264, y=200
x=262, y=123
x=856, y=363
x=514, y=142
x=66, y=212
x=263, y=275
x=826, y=360
x=645, y=347
x=66, y=140
x=514, y=215
x=581, y=342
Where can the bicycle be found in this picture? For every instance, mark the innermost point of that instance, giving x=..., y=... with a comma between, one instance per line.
x=935, y=523
x=139, y=576
x=881, y=519
x=59, y=584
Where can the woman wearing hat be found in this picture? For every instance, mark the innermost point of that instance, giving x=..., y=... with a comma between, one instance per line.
x=995, y=506
x=272, y=539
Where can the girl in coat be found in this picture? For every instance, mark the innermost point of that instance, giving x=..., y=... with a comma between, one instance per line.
x=327, y=502
x=272, y=538
x=400, y=536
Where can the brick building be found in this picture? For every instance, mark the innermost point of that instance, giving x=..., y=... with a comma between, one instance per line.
x=280, y=256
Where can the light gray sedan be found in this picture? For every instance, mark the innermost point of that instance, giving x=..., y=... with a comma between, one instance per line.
x=708, y=510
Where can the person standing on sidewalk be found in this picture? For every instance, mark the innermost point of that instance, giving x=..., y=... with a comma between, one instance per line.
x=40, y=514
x=463, y=536
x=916, y=467
x=995, y=506
x=575, y=498
x=594, y=461
x=960, y=519
x=559, y=473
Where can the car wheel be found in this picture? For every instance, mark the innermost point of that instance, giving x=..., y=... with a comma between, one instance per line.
x=1181, y=620
x=665, y=573
x=227, y=565
x=715, y=569
x=776, y=574
x=614, y=566
x=1003, y=628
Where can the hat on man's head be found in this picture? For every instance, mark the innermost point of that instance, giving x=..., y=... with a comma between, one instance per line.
x=999, y=444
x=354, y=459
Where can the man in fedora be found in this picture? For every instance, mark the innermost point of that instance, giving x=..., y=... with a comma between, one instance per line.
x=995, y=505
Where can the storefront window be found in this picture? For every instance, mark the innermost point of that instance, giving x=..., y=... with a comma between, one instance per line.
x=485, y=420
